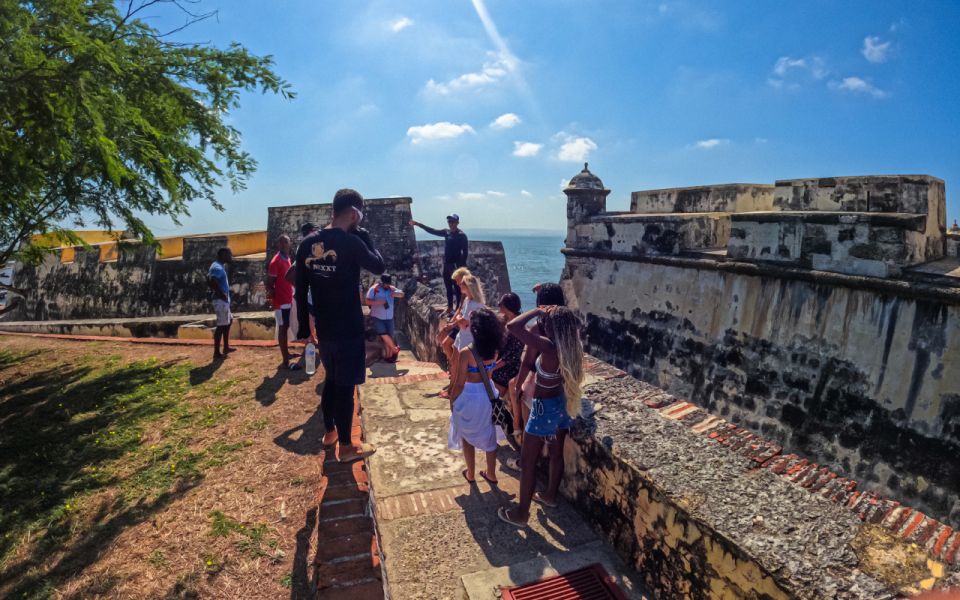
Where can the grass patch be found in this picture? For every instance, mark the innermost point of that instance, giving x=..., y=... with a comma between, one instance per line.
x=254, y=540
x=79, y=470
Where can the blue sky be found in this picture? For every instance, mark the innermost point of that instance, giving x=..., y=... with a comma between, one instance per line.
x=485, y=107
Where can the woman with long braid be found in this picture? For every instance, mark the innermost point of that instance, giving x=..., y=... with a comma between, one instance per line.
x=559, y=377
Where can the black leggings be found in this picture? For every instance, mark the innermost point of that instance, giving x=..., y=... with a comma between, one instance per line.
x=336, y=402
x=453, y=290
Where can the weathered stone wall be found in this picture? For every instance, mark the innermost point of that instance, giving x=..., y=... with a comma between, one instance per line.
x=664, y=234
x=877, y=245
x=138, y=283
x=387, y=219
x=486, y=260
x=731, y=197
x=850, y=375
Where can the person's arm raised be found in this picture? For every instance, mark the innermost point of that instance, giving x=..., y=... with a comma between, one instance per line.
x=430, y=230
x=369, y=256
x=518, y=327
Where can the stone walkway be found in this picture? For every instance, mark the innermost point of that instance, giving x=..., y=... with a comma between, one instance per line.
x=440, y=536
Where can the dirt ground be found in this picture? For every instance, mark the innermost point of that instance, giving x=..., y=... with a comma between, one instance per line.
x=148, y=471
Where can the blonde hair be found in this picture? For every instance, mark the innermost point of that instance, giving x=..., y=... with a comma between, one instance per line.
x=460, y=272
x=473, y=285
x=565, y=328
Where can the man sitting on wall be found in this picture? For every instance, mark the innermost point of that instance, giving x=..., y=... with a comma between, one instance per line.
x=220, y=286
x=280, y=293
x=380, y=298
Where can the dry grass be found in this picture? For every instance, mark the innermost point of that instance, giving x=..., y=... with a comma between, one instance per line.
x=149, y=472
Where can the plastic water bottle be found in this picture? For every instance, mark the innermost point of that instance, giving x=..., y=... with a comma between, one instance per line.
x=310, y=357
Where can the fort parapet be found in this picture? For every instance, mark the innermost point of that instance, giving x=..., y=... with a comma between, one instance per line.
x=822, y=314
x=111, y=278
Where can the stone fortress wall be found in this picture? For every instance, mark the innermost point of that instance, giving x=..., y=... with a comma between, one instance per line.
x=822, y=314
x=124, y=278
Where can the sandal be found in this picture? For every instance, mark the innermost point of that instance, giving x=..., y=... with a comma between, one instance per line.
x=539, y=499
x=502, y=513
x=444, y=393
x=486, y=478
x=470, y=481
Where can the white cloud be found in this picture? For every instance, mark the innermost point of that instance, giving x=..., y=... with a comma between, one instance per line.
x=437, y=131
x=525, y=193
x=492, y=72
x=760, y=140
x=401, y=24
x=495, y=194
x=788, y=67
x=471, y=195
x=785, y=63
x=576, y=149
x=875, y=50
x=526, y=149
x=711, y=143
x=505, y=121
x=563, y=184
x=857, y=85
x=442, y=197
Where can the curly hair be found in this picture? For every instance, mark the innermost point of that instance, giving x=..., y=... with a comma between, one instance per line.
x=457, y=274
x=488, y=332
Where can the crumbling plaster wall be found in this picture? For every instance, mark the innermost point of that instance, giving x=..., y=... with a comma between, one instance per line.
x=851, y=377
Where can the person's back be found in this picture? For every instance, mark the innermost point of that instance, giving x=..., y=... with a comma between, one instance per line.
x=333, y=259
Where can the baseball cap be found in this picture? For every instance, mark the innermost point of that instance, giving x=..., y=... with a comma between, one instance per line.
x=306, y=228
x=454, y=217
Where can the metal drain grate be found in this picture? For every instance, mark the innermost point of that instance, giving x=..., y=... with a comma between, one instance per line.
x=589, y=583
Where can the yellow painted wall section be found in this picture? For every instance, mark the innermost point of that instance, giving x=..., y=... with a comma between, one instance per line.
x=90, y=237
x=67, y=254
x=248, y=242
x=170, y=247
x=108, y=251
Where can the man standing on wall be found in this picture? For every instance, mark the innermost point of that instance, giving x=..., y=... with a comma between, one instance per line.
x=280, y=293
x=454, y=255
x=328, y=265
x=220, y=285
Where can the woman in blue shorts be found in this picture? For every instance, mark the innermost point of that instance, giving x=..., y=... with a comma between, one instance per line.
x=556, y=400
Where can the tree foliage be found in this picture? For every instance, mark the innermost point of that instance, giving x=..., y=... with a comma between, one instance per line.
x=102, y=118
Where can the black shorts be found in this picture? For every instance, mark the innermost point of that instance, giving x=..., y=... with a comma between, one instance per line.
x=345, y=360
x=282, y=315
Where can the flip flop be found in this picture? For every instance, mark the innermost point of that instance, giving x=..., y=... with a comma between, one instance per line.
x=470, y=481
x=502, y=513
x=492, y=482
x=365, y=451
x=541, y=500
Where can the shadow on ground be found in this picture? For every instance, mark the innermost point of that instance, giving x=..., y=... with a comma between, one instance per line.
x=59, y=428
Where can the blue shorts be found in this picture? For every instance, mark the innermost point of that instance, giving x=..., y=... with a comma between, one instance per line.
x=547, y=416
x=383, y=326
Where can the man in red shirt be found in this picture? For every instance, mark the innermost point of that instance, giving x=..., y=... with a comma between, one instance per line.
x=280, y=292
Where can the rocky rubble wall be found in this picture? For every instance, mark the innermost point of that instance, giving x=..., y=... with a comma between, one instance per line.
x=699, y=519
x=855, y=378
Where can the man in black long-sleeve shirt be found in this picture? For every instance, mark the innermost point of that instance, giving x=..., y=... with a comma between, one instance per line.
x=454, y=255
x=328, y=264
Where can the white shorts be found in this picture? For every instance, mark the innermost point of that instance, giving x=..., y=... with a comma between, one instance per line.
x=224, y=316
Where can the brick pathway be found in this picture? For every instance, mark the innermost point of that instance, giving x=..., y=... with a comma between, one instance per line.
x=347, y=562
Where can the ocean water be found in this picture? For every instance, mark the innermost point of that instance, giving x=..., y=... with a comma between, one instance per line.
x=532, y=257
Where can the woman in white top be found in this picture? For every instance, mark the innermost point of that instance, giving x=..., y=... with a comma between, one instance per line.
x=473, y=298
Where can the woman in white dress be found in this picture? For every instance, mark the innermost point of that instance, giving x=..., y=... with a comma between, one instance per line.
x=471, y=414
